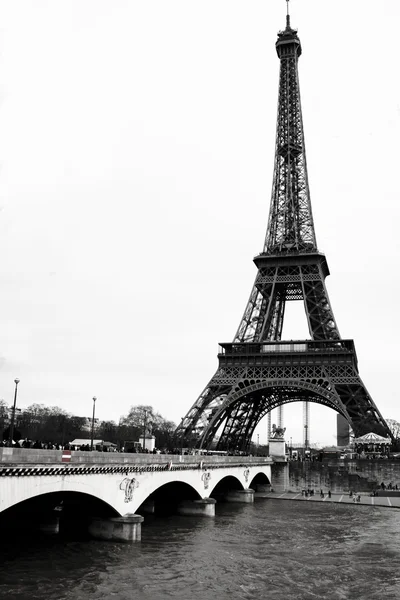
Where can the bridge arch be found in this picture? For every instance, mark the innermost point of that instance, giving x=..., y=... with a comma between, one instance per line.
x=224, y=485
x=50, y=500
x=55, y=512
x=165, y=498
x=260, y=479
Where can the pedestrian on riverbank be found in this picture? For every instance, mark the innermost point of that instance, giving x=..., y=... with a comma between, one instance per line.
x=329, y=494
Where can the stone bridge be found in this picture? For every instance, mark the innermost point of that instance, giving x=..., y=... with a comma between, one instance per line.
x=110, y=492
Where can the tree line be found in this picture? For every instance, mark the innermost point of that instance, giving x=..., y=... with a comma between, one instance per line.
x=54, y=424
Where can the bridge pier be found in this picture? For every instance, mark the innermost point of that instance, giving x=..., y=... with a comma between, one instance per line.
x=119, y=529
x=240, y=495
x=199, y=508
x=280, y=476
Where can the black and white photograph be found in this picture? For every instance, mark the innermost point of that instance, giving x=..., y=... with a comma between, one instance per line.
x=199, y=275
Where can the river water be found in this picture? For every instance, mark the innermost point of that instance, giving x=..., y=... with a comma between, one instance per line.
x=269, y=549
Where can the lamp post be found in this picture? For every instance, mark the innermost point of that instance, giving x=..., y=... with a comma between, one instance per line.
x=16, y=381
x=144, y=430
x=92, y=432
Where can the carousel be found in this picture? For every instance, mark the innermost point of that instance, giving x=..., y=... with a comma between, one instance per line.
x=372, y=444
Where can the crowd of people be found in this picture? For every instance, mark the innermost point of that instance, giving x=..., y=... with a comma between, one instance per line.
x=310, y=492
x=137, y=449
x=38, y=445
x=48, y=445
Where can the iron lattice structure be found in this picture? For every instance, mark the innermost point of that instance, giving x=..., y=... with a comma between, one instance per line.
x=259, y=371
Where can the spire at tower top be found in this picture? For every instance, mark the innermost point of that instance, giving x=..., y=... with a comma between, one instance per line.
x=287, y=15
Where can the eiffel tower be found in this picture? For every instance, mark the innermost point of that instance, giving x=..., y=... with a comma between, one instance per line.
x=259, y=371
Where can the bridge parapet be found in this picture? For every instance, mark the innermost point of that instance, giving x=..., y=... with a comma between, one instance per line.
x=33, y=457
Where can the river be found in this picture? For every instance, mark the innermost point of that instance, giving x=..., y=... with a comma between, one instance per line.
x=270, y=549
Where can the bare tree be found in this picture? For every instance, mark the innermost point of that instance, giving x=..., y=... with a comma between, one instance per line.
x=144, y=416
x=394, y=427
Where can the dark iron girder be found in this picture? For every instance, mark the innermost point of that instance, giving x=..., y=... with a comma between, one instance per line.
x=277, y=373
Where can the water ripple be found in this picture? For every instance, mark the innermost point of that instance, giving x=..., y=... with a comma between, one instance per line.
x=272, y=549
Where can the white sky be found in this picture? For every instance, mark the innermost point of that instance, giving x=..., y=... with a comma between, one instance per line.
x=137, y=146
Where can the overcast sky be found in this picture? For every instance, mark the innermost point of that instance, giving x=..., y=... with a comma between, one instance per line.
x=137, y=147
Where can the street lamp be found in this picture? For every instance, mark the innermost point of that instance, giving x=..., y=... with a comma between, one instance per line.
x=92, y=432
x=16, y=381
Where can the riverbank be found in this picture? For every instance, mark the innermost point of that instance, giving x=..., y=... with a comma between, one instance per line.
x=337, y=498
x=338, y=475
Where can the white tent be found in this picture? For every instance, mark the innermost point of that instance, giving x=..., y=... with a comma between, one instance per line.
x=81, y=442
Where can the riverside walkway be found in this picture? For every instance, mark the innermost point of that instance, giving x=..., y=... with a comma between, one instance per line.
x=341, y=498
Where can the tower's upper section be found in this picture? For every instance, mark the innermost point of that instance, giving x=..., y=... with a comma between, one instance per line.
x=288, y=42
x=290, y=225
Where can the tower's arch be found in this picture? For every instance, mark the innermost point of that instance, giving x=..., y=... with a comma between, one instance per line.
x=252, y=400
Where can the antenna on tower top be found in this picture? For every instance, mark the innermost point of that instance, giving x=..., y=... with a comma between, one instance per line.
x=287, y=15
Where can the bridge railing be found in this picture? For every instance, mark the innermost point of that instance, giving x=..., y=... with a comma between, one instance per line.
x=30, y=456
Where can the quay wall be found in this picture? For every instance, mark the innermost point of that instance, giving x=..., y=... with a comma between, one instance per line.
x=343, y=475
